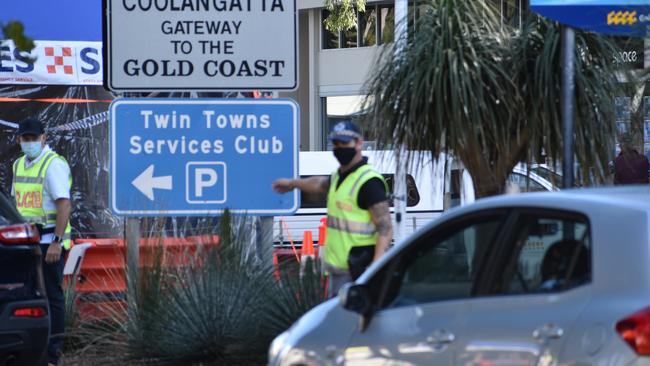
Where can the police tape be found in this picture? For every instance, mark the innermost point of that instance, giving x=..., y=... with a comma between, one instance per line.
x=84, y=123
x=88, y=122
x=52, y=100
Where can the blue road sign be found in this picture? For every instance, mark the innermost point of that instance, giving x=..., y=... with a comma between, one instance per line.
x=174, y=157
x=614, y=17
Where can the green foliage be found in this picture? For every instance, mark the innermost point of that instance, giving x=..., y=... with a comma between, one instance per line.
x=16, y=32
x=218, y=305
x=490, y=94
x=294, y=295
x=343, y=14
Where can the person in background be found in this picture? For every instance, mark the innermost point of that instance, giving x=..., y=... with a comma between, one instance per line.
x=41, y=188
x=630, y=167
x=359, y=227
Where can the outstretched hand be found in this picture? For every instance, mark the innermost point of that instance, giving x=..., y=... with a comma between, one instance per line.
x=282, y=185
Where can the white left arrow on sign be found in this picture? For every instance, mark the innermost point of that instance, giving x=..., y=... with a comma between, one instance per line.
x=146, y=182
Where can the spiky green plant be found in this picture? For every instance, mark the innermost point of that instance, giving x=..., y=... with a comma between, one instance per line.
x=218, y=307
x=72, y=320
x=490, y=95
x=294, y=295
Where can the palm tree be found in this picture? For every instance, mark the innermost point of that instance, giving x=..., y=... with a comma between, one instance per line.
x=489, y=94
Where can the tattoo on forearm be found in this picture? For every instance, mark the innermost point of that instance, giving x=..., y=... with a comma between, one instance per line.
x=381, y=216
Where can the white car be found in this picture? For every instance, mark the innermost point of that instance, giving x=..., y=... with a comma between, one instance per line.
x=554, y=278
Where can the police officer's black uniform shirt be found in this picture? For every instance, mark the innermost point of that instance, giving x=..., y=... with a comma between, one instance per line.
x=371, y=192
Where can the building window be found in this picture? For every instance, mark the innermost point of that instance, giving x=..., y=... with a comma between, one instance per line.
x=369, y=26
x=342, y=108
x=512, y=11
x=623, y=114
x=387, y=23
x=377, y=23
x=330, y=39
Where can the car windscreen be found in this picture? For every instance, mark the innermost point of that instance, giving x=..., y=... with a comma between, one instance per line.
x=550, y=176
x=8, y=213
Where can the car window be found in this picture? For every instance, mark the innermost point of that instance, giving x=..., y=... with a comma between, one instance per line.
x=319, y=200
x=443, y=267
x=525, y=183
x=549, y=254
x=412, y=193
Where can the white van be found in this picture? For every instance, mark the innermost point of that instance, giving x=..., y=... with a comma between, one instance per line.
x=432, y=187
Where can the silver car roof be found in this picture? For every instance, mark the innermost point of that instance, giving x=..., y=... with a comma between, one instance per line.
x=632, y=197
x=628, y=198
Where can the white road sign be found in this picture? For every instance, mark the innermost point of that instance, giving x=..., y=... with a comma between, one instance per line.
x=201, y=45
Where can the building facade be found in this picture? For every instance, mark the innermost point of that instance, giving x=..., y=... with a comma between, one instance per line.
x=333, y=68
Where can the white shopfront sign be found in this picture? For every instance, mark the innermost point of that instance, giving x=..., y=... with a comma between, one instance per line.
x=52, y=63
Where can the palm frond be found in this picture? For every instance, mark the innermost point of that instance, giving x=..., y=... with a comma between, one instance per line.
x=489, y=94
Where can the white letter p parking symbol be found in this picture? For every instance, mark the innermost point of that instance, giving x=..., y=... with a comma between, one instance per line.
x=199, y=183
x=205, y=182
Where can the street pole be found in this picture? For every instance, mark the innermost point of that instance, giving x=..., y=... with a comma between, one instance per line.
x=568, y=100
x=132, y=264
x=264, y=239
x=399, y=181
x=132, y=235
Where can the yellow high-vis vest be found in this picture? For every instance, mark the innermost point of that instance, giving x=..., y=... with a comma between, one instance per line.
x=348, y=225
x=28, y=189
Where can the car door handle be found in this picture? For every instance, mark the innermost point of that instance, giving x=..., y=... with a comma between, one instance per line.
x=548, y=331
x=441, y=337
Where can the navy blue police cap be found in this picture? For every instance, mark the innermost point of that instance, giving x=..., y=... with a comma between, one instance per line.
x=345, y=131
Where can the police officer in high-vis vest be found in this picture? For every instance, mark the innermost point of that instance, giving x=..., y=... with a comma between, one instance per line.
x=41, y=188
x=359, y=228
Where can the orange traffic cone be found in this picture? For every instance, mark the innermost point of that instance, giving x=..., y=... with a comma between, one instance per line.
x=307, y=251
x=322, y=229
x=307, y=244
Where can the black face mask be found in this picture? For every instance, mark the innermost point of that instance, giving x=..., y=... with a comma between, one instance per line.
x=344, y=154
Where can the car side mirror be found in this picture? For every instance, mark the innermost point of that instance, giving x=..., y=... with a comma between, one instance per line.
x=355, y=297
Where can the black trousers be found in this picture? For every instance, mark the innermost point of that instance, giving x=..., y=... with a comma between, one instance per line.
x=53, y=278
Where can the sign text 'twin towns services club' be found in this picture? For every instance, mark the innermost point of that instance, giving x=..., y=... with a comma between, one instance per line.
x=201, y=156
x=201, y=45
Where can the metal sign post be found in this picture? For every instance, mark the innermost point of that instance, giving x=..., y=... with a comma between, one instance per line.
x=399, y=184
x=568, y=101
x=132, y=234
